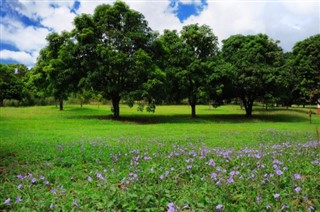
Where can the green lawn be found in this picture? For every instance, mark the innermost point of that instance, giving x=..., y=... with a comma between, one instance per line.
x=218, y=126
x=81, y=159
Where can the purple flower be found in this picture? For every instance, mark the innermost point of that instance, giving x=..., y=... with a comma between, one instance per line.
x=161, y=177
x=279, y=172
x=310, y=208
x=298, y=189
x=276, y=196
x=20, y=177
x=258, y=198
x=268, y=206
x=297, y=176
x=75, y=203
x=171, y=207
x=18, y=199
x=89, y=178
x=219, y=207
x=214, y=176
x=189, y=166
x=100, y=176
x=152, y=169
x=54, y=191
x=41, y=177
x=34, y=180
x=46, y=182
x=7, y=201
x=211, y=162
x=51, y=205
x=19, y=186
x=230, y=180
x=167, y=173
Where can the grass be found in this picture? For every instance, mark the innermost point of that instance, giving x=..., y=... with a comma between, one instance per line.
x=81, y=159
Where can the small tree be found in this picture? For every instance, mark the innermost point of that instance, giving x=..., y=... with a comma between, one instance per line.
x=11, y=86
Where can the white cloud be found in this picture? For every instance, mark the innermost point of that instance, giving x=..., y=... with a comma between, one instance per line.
x=24, y=38
x=198, y=2
x=288, y=22
x=19, y=56
x=157, y=15
x=55, y=15
x=89, y=6
x=60, y=19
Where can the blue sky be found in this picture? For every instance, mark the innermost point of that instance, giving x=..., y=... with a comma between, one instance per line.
x=24, y=24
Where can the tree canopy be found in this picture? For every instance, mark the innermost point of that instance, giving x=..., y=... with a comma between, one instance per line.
x=256, y=60
x=306, y=66
x=114, y=54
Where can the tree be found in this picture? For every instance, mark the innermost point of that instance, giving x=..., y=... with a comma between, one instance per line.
x=118, y=39
x=306, y=65
x=288, y=82
x=11, y=87
x=256, y=60
x=189, y=59
x=56, y=65
x=168, y=57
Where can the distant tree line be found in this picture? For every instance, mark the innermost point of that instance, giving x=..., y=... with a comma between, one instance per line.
x=114, y=54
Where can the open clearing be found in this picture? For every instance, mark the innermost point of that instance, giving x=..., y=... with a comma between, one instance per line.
x=81, y=159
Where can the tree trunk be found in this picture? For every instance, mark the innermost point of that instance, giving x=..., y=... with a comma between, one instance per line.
x=115, y=105
x=248, y=110
x=193, y=110
x=247, y=106
x=61, y=104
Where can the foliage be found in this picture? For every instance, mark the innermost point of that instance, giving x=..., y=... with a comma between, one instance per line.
x=11, y=87
x=306, y=65
x=120, y=39
x=188, y=57
x=256, y=59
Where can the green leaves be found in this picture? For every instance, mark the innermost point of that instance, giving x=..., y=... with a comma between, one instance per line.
x=255, y=59
x=306, y=66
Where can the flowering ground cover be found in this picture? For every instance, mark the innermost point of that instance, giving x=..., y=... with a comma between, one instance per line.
x=277, y=170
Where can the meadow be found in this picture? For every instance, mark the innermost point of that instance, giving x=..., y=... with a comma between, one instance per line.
x=80, y=159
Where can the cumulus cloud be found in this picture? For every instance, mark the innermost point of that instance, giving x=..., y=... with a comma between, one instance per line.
x=19, y=56
x=287, y=21
x=55, y=15
x=25, y=38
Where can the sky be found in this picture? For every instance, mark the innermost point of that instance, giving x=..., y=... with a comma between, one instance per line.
x=24, y=24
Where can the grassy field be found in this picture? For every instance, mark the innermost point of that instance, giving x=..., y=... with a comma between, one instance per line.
x=81, y=159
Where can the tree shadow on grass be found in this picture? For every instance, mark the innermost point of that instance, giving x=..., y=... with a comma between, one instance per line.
x=200, y=119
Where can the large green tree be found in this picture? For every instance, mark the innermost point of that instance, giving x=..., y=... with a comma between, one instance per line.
x=256, y=60
x=188, y=61
x=170, y=58
x=201, y=46
x=306, y=65
x=118, y=39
